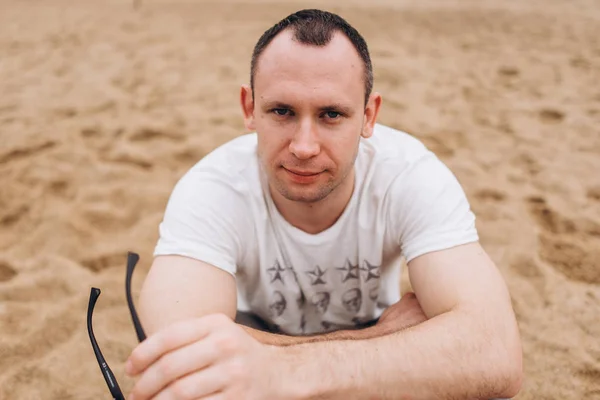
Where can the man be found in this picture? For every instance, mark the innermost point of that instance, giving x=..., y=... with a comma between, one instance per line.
x=301, y=226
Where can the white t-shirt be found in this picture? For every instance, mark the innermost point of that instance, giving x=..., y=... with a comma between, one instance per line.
x=405, y=202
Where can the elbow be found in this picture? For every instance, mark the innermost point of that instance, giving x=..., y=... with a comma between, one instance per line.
x=510, y=371
x=503, y=376
x=512, y=380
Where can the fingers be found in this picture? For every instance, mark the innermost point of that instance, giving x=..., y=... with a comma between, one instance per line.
x=216, y=396
x=408, y=296
x=174, y=365
x=204, y=384
x=409, y=299
x=173, y=337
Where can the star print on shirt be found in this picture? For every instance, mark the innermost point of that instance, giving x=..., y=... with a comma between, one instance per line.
x=351, y=271
x=371, y=270
x=275, y=272
x=293, y=272
x=316, y=276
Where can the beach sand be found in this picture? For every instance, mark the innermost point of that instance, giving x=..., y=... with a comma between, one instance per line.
x=104, y=106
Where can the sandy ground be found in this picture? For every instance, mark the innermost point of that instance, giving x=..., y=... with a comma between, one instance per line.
x=103, y=108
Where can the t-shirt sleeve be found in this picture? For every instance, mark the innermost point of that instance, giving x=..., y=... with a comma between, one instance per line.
x=204, y=219
x=429, y=209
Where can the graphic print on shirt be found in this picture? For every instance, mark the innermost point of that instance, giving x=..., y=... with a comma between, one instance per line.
x=293, y=272
x=352, y=300
x=278, y=305
x=349, y=271
x=303, y=323
x=316, y=276
x=372, y=271
x=321, y=301
x=344, y=297
x=275, y=272
x=374, y=293
x=331, y=326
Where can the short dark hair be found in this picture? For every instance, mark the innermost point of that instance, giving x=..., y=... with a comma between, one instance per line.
x=315, y=27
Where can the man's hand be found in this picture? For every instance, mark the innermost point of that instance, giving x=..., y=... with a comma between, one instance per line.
x=403, y=314
x=203, y=358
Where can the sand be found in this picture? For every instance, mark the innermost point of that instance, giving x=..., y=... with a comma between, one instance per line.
x=103, y=107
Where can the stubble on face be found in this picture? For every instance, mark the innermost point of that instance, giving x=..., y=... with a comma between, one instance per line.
x=309, y=78
x=331, y=179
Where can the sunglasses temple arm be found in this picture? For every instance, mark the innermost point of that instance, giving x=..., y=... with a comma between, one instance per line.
x=109, y=377
x=132, y=259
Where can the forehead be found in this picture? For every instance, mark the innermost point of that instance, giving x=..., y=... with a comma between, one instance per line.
x=287, y=65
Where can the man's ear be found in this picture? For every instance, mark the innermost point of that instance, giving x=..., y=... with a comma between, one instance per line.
x=247, y=103
x=371, y=113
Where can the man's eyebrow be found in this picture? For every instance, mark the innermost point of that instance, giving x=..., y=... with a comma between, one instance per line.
x=276, y=104
x=338, y=108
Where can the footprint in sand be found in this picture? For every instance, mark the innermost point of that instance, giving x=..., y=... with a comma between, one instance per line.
x=445, y=143
x=551, y=116
x=508, y=71
x=591, y=375
x=530, y=269
x=549, y=219
x=486, y=203
x=526, y=267
x=7, y=272
x=594, y=193
x=61, y=187
x=145, y=134
x=491, y=195
x=12, y=215
x=127, y=155
x=133, y=152
x=26, y=152
x=104, y=261
x=571, y=247
x=580, y=63
x=528, y=163
x=509, y=76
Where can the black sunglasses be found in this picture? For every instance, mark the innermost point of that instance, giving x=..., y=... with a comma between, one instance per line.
x=109, y=377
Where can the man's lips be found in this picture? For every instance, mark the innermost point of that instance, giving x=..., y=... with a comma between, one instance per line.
x=302, y=173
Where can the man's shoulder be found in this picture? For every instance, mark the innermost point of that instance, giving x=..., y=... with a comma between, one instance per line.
x=393, y=145
x=395, y=158
x=389, y=153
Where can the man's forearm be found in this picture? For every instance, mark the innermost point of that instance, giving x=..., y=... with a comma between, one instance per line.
x=439, y=359
x=284, y=340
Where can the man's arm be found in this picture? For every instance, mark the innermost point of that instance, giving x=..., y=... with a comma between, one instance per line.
x=275, y=339
x=401, y=315
x=469, y=348
x=179, y=288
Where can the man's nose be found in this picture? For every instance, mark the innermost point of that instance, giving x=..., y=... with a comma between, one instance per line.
x=305, y=142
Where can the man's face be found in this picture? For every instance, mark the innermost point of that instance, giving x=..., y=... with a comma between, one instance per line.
x=309, y=114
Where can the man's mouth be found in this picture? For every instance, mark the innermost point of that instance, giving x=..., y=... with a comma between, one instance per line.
x=302, y=173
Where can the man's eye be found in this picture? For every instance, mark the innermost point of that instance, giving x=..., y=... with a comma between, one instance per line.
x=281, y=111
x=332, y=114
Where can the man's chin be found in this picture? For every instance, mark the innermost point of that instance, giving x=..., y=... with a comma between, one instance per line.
x=304, y=195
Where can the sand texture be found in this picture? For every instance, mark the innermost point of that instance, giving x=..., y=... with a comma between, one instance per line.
x=104, y=106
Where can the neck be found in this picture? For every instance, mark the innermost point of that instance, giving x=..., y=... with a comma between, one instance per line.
x=315, y=217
